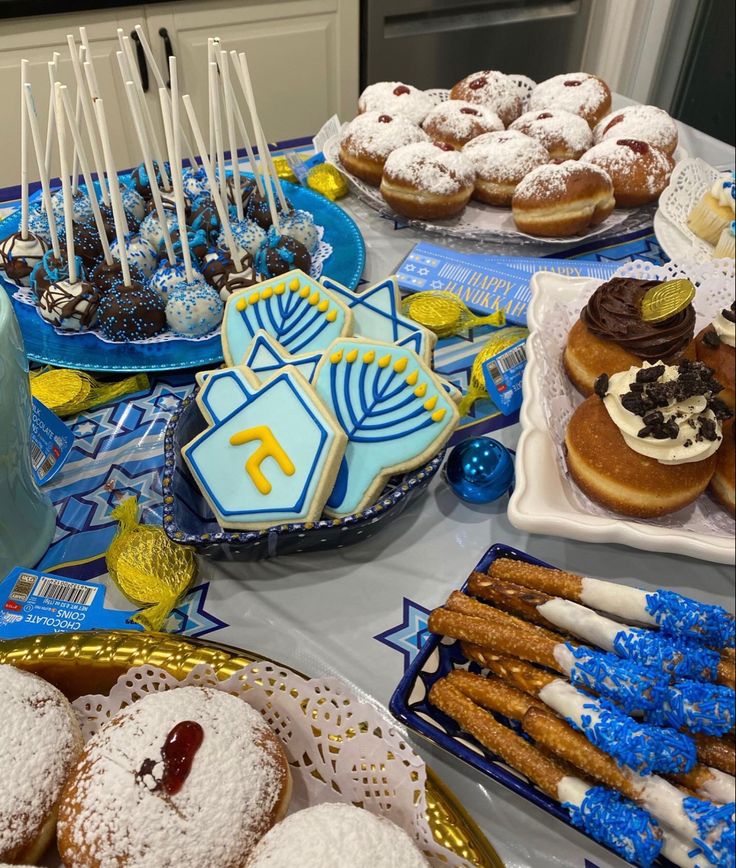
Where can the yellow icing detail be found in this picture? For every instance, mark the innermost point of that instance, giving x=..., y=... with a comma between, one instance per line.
x=331, y=316
x=439, y=415
x=255, y=297
x=304, y=291
x=351, y=356
x=294, y=285
x=241, y=304
x=336, y=357
x=421, y=390
x=279, y=289
x=323, y=305
x=400, y=365
x=369, y=358
x=431, y=403
x=267, y=293
x=384, y=361
x=412, y=378
x=269, y=448
x=314, y=298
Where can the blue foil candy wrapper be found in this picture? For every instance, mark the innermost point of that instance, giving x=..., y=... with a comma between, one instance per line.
x=479, y=470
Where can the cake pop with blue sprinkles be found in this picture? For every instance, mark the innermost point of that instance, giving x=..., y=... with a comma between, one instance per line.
x=81, y=206
x=52, y=270
x=281, y=253
x=168, y=277
x=131, y=313
x=151, y=228
x=133, y=202
x=204, y=216
x=194, y=308
x=141, y=254
x=248, y=236
x=195, y=182
x=300, y=225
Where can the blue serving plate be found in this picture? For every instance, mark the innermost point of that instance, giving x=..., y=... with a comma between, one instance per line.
x=87, y=352
x=188, y=518
x=409, y=704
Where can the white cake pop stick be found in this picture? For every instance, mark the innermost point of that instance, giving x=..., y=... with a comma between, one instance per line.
x=89, y=117
x=210, y=172
x=23, y=153
x=87, y=174
x=75, y=168
x=244, y=134
x=227, y=90
x=53, y=66
x=66, y=187
x=175, y=159
x=265, y=155
x=44, y=175
x=118, y=214
x=148, y=162
x=210, y=116
x=219, y=149
x=151, y=60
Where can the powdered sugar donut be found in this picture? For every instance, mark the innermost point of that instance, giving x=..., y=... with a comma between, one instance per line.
x=40, y=745
x=500, y=161
x=645, y=122
x=577, y=92
x=396, y=98
x=639, y=171
x=566, y=136
x=457, y=122
x=492, y=89
x=191, y=771
x=371, y=137
x=562, y=199
x=427, y=180
x=336, y=836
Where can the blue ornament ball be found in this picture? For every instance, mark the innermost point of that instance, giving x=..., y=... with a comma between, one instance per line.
x=479, y=470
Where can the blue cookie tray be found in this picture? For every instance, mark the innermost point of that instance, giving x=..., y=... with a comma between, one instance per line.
x=410, y=705
x=188, y=518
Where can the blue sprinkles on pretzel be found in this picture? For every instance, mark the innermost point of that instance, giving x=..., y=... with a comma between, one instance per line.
x=674, y=657
x=699, y=707
x=680, y=616
x=717, y=839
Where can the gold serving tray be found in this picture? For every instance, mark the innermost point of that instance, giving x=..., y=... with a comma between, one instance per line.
x=81, y=663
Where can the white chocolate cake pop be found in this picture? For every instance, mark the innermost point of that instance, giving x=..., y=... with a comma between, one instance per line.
x=19, y=256
x=194, y=308
x=70, y=306
x=141, y=254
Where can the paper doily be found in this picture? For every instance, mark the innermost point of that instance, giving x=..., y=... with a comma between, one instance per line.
x=340, y=748
x=715, y=290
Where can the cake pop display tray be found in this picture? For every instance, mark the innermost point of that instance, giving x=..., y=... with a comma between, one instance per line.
x=545, y=499
x=80, y=664
x=90, y=352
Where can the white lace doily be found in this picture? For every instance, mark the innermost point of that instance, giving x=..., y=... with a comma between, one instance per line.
x=340, y=749
x=26, y=295
x=715, y=290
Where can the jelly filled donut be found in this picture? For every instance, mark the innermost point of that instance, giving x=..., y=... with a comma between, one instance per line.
x=492, y=89
x=191, y=771
x=722, y=482
x=371, y=137
x=336, y=836
x=565, y=135
x=577, y=92
x=562, y=199
x=427, y=180
x=646, y=122
x=40, y=745
x=639, y=171
x=500, y=161
x=396, y=98
x=456, y=122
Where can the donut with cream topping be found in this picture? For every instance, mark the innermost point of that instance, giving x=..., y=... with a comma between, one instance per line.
x=492, y=89
x=371, y=137
x=645, y=122
x=638, y=170
x=715, y=346
x=565, y=135
x=501, y=160
x=722, y=484
x=577, y=92
x=396, y=98
x=427, y=180
x=456, y=122
x=192, y=770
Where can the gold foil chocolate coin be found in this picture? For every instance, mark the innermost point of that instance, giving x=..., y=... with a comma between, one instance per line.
x=665, y=300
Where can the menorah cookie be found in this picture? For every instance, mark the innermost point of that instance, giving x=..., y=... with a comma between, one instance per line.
x=301, y=314
x=394, y=409
x=270, y=453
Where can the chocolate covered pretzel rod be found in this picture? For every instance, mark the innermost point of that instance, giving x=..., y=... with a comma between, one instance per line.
x=674, y=614
x=602, y=813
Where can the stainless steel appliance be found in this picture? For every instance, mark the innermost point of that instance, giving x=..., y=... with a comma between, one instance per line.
x=433, y=43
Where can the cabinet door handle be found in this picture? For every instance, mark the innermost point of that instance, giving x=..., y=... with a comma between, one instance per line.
x=168, y=49
x=141, y=55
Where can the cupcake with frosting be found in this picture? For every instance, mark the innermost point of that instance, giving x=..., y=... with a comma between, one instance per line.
x=725, y=247
x=715, y=347
x=645, y=444
x=715, y=211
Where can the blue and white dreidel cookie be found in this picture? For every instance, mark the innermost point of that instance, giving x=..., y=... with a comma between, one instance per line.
x=266, y=357
x=377, y=313
x=295, y=310
x=270, y=453
x=394, y=409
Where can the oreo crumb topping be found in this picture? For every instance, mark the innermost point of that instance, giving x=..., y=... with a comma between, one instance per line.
x=711, y=338
x=649, y=375
x=601, y=386
x=729, y=313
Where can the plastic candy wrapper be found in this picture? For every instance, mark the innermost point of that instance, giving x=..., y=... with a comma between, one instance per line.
x=68, y=392
x=284, y=170
x=147, y=567
x=498, y=341
x=445, y=314
x=327, y=180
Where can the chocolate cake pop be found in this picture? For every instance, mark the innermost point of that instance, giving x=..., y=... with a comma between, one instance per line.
x=140, y=181
x=141, y=254
x=167, y=277
x=247, y=186
x=281, y=253
x=198, y=244
x=87, y=243
x=105, y=276
x=19, y=256
x=168, y=203
x=219, y=270
x=204, y=216
x=258, y=210
x=109, y=221
x=52, y=270
x=195, y=182
x=194, y=309
x=70, y=306
x=300, y=225
x=131, y=313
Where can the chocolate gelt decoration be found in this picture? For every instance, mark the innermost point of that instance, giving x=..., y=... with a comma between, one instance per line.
x=666, y=299
x=444, y=313
x=177, y=756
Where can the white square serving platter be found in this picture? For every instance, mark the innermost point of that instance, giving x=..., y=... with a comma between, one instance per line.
x=543, y=500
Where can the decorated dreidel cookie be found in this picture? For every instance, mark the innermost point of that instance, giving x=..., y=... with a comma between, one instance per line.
x=395, y=411
x=377, y=316
x=295, y=310
x=270, y=453
x=266, y=357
